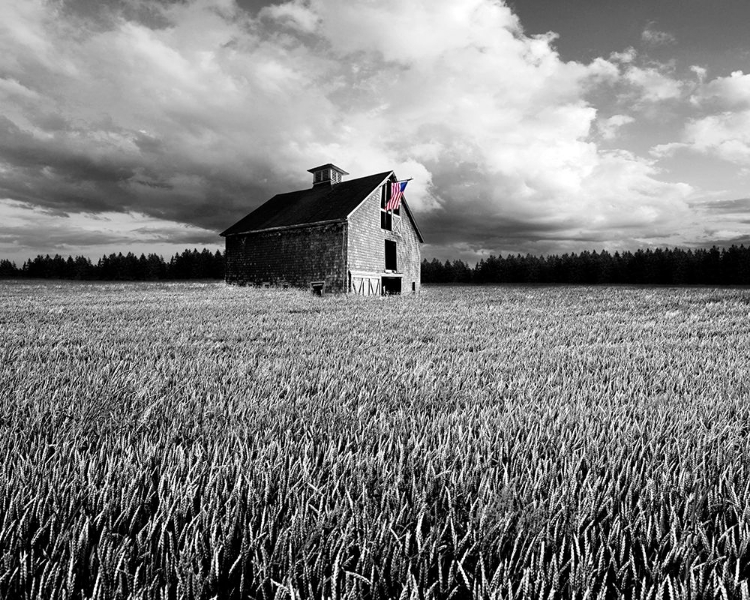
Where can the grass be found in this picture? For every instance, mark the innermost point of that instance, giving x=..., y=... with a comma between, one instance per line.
x=178, y=440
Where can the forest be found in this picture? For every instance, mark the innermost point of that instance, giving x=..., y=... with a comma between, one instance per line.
x=190, y=264
x=668, y=266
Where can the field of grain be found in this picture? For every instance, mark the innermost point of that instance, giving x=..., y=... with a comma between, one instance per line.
x=192, y=440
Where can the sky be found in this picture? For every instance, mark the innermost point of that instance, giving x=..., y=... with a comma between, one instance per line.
x=527, y=126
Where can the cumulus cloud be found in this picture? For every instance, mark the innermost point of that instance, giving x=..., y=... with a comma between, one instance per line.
x=725, y=93
x=196, y=112
x=654, y=84
x=643, y=82
x=724, y=132
x=725, y=136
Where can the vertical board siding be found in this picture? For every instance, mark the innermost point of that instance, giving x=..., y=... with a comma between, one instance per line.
x=295, y=257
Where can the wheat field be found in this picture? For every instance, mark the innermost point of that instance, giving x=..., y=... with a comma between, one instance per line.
x=193, y=440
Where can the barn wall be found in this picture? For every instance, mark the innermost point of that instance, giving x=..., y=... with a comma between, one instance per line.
x=366, y=243
x=295, y=256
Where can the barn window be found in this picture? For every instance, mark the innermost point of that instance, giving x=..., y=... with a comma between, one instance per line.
x=386, y=217
x=391, y=262
x=386, y=220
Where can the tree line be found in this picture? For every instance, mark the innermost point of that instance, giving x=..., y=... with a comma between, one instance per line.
x=190, y=264
x=675, y=266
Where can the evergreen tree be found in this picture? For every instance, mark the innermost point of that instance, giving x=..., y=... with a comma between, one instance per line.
x=8, y=268
x=715, y=266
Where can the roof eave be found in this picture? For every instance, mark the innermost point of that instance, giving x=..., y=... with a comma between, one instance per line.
x=356, y=208
x=403, y=201
x=413, y=221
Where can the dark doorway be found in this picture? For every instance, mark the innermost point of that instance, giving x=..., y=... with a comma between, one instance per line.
x=391, y=262
x=391, y=285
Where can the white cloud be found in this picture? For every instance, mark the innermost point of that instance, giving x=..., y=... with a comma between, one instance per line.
x=653, y=84
x=724, y=133
x=642, y=82
x=627, y=56
x=725, y=136
x=725, y=93
x=655, y=37
x=295, y=14
x=610, y=127
x=603, y=71
x=700, y=72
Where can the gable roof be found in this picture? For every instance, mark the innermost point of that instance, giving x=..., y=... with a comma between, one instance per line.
x=313, y=205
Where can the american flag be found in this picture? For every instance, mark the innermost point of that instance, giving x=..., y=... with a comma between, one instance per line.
x=397, y=192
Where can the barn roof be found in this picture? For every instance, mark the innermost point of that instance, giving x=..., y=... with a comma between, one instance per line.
x=312, y=205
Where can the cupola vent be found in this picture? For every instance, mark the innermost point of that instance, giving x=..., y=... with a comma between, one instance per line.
x=327, y=175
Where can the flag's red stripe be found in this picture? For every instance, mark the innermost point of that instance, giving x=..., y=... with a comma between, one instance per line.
x=396, y=194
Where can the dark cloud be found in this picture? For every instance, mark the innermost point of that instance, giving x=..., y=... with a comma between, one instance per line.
x=174, y=235
x=149, y=144
x=53, y=122
x=723, y=241
x=58, y=239
x=254, y=6
x=105, y=14
x=154, y=184
x=455, y=228
x=22, y=149
x=65, y=235
x=740, y=205
x=57, y=174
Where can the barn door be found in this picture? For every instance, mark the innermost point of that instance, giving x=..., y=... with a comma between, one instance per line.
x=363, y=285
x=357, y=285
x=374, y=286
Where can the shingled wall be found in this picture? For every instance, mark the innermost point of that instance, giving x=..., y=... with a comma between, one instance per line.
x=293, y=256
x=366, y=243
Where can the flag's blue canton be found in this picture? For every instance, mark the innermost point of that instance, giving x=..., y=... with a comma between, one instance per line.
x=397, y=192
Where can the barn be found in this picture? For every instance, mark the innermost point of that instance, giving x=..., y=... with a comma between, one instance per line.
x=333, y=237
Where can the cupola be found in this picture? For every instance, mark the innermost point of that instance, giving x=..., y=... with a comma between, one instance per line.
x=327, y=175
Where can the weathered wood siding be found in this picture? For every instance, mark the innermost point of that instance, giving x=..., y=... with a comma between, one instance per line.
x=295, y=256
x=366, y=243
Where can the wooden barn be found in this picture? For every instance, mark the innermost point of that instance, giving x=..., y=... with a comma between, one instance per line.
x=336, y=236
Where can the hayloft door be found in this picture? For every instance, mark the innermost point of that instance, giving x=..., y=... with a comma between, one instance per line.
x=391, y=260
